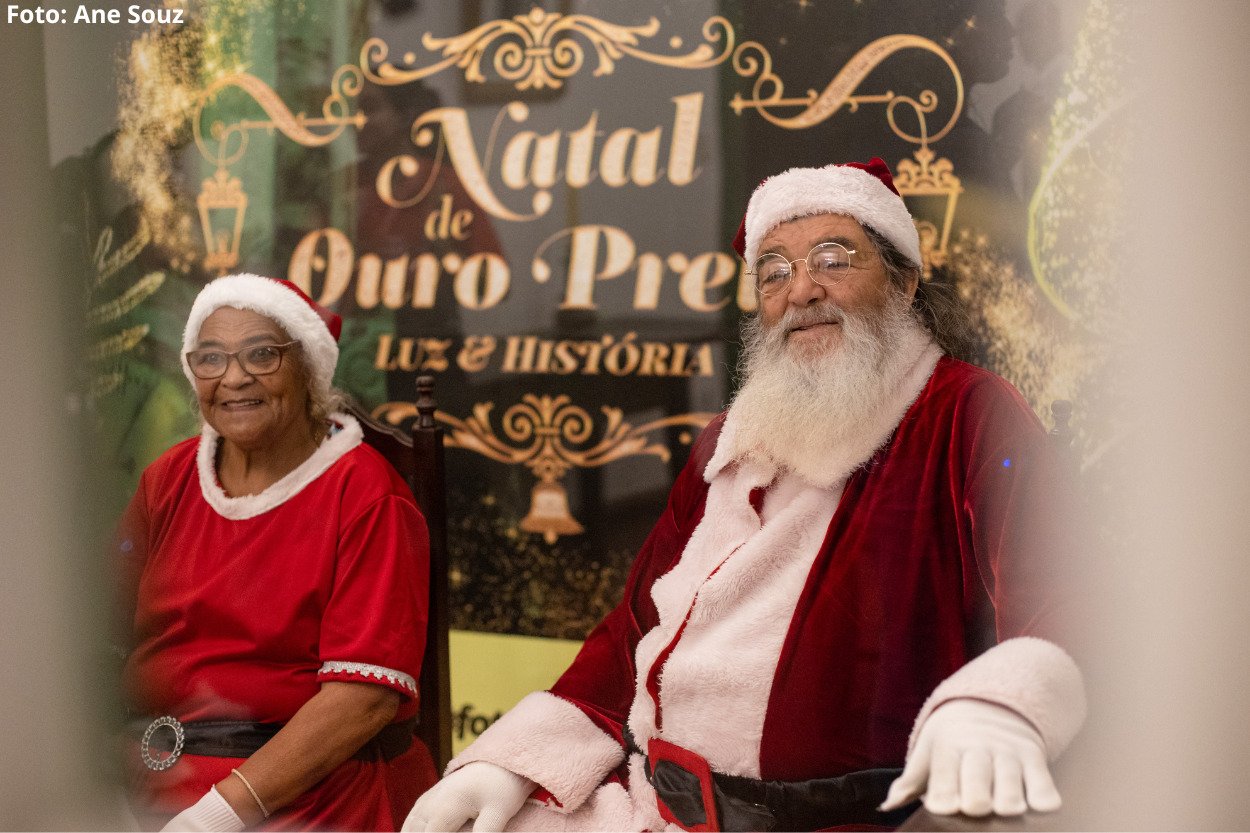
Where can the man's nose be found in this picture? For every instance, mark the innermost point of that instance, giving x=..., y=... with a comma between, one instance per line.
x=803, y=290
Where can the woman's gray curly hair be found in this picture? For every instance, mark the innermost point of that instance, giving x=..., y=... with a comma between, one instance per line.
x=320, y=403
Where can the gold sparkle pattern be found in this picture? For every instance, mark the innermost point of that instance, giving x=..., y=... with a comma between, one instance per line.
x=1074, y=227
x=1043, y=356
x=504, y=581
x=1051, y=331
x=158, y=96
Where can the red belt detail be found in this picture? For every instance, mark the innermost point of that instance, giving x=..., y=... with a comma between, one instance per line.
x=694, y=763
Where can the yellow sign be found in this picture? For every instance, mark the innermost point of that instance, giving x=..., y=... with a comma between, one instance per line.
x=490, y=672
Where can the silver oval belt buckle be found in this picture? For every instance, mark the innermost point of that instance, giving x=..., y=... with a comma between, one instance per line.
x=145, y=746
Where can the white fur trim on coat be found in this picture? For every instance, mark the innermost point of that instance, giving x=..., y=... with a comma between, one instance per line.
x=608, y=808
x=551, y=742
x=1032, y=677
x=272, y=300
x=833, y=189
x=715, y=685
x=249, y=506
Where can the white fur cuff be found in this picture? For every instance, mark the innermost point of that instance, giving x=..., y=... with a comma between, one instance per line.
x=1032, y=677
x=551, y=742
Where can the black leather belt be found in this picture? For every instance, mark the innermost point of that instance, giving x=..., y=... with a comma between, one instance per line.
x=698, y=799
x=240, y=738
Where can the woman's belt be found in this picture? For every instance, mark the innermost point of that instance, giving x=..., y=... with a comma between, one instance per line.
x=241, y=738
x=692, y=796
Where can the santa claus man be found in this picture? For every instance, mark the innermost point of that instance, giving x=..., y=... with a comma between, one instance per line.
x=842, y=607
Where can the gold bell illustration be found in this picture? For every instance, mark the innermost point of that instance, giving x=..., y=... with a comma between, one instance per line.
x=549, y=512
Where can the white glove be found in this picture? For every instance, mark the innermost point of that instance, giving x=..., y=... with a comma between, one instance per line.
x=480, y=790
x=210, y=813
x=976, y=758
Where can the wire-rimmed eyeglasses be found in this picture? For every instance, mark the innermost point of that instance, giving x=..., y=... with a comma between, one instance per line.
x=827, y=263
x=258, y=360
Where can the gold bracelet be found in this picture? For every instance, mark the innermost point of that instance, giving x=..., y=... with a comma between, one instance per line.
x=256, y=797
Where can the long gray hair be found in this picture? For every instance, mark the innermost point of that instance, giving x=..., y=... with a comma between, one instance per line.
x=937, y=305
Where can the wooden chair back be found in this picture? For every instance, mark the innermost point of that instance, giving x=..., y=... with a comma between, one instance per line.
x=418, y=456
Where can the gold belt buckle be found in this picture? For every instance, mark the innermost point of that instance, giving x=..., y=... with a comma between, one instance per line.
x=145, y=746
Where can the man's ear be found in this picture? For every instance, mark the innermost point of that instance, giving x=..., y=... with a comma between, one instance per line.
x=913, y=283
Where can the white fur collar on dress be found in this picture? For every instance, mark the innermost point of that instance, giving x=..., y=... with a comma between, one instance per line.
x=827, y=466
x=249, y=506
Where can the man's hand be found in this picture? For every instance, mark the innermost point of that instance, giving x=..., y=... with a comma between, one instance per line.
x=210, y=813
x=976, y=758
x=481, y=790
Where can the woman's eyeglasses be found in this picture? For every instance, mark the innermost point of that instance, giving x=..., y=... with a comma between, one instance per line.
x=259, y=360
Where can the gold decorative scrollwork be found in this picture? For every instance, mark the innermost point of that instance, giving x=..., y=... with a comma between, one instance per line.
x=548, y=434
x=541, y=49
x=335, y=114
x=918, y=177
x=753, y=59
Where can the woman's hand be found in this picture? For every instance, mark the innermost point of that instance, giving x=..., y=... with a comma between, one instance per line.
x=325, y=732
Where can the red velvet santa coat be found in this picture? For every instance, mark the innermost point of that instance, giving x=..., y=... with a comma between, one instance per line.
x=932, y=555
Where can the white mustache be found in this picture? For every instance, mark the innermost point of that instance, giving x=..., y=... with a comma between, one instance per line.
x=796, y=319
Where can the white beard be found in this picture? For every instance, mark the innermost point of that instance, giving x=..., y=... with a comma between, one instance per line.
x=822, y=415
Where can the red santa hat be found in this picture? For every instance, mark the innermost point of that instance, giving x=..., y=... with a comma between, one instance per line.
x=315, y=327
x=863, y=191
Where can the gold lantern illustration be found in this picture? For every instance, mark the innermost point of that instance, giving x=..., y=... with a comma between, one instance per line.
x=935, y=183
x=222, y=205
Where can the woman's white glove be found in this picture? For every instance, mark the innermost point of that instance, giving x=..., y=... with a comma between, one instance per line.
x=210, y=813
x=480, y=790
x=976, y=758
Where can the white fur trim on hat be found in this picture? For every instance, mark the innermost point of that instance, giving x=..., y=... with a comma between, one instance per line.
x=833, y=189
x=1033, y=677
x=273, y=300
